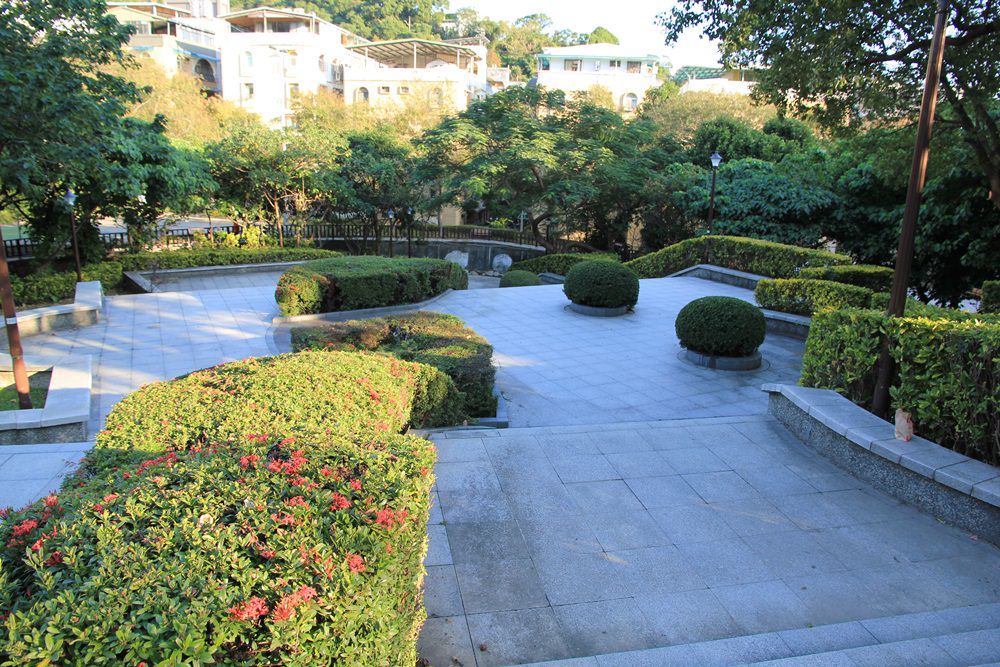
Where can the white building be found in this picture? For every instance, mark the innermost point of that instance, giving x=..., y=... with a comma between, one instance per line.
x=622, y=70
x=714, y=80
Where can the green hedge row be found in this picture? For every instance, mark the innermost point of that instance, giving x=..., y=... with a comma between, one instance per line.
x=875, y=278
x=803, y=296
x=765, y=258
x=260, y=512
x=520, y=278
x=350, y=283
x=434, y=339
x=220, y=256
x=991, y=297
x=43, y=287
x=948, y=375
x=559, y=263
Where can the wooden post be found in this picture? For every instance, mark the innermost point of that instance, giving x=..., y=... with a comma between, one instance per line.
x=914, y=192
x=13, y=332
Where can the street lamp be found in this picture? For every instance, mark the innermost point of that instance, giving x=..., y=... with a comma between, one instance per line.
x=70, y=199
x=391, y=214
x=716, y=161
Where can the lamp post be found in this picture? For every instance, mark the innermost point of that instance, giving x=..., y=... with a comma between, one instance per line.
x=391, y=214
x=716, y=161
x=70, y=199
x=409, y=231
x=13, y=332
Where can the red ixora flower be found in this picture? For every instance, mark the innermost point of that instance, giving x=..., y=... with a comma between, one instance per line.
x=355, y=563
x=51, y=500
x=249, y=461
x=250, y=610
x=297, y=501
x=257, y=437
x=339, y=502
x=388, y=518
x=285, y=608
x=356, y=484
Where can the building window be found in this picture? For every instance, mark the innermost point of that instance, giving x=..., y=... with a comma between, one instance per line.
x=597, y=65
x=630, y=102
x=404, y=90
x=616, y=64
x=293, y=91
x=543, y=64
x=634, y=67
x=384, y=90
x=321, y=63
x=247, y=92
x=246, y=63
x=361, y=95
x=572, y=65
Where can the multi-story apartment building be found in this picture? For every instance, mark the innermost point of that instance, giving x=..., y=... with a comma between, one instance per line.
x=622, y=70
x=264, y=58
x=715, y=80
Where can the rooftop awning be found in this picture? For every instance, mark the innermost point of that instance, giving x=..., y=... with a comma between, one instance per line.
x=403, y=50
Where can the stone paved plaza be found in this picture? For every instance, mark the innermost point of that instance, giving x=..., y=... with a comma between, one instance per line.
x=640, y=511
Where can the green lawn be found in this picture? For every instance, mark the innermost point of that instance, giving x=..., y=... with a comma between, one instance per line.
x=38, y=381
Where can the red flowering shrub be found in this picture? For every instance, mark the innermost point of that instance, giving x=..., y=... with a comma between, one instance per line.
x=306, y=394
x=274, y=551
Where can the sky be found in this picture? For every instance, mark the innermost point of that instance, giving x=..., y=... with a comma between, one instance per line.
x=632, y=21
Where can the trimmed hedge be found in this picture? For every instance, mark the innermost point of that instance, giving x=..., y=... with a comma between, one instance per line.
x=948, y=375
x=804, y=296
x=766, y=258
x=187, y=258
x=560, y=263
x=991, y=297
x=601, y=284
x=721, y=326
x=435, y=339
x=520, y=279
x=347, y=393
x=351, y=283
x=875, y=278
x=43, y=287
x=282, y=521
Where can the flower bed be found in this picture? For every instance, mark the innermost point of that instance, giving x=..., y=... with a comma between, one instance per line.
x=187, y=258
x=260, y=512
x=559, y=263
x=765, y=258
x=351, y=283
x=45, y=287
x=438, y=340
x=804, y=296
x=947, y=375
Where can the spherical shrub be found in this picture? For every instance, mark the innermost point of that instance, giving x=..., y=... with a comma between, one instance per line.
x=721, y=326
x=602, y=284
x=520, y=279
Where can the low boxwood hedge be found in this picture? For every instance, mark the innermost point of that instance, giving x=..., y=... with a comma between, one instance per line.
x=350, y=283
x=47, y=287
x=947, y=375
x=520, y=279
x=259, y=512
x=804, y=296
x=991, y=297
x=721, y=326
x=435, y=339
x=560, y=263
x=187, y=258
x=875, y=278
x=765, y=258
x=601, y=284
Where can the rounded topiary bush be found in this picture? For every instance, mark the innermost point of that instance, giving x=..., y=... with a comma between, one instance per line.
x=519, y=279
x=721, y=326
x=601, y=284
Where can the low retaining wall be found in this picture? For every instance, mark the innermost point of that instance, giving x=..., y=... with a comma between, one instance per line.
x=952, y=487
x=88, y=302
x=66, y=412
x=720, y=274
x=147, y=281
x=481, y=253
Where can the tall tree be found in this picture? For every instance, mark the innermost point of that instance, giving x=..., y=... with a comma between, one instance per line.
x=602, y=35
x=852, y=62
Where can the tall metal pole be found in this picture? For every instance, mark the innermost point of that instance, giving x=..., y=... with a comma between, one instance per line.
x=76, y=247
x=914, y=192
x=13, y=332
x=711, y=201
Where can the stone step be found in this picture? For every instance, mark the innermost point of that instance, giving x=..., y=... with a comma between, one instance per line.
x=471, y=432
x=956, y=636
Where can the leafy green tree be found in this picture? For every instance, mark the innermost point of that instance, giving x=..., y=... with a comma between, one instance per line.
x=735, y=140
x=602, y=35
x=59, y=106
x=853, y=62
x=681, y=115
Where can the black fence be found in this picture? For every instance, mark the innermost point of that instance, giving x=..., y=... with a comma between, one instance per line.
x=339, y=231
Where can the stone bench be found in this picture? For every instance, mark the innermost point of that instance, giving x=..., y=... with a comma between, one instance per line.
x=950, y=486
x=66, y=412
x=88, y=302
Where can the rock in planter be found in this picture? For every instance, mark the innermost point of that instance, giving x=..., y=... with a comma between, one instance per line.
x=601, y=288
x=722, y=333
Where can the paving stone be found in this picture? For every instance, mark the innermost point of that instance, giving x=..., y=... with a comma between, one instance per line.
x=727, y=562
x=570, y=533
x=972, y=648
x=687, y=616
x=753, y=516
x=836, y=598
x=584, y=468
x=641, y=464
x=441, y=594
x=603, y=497
x=692, y=523
x=669, y=491
x=503, y=585
x=438, y=550
x=485, y=542
x=903, y=654
x=512, y=637
x=569, y=577
x=793, y=554
x=614, y=442
x=694, y=460
x=765, y=606
x=445, y=642
x=628, y=530
x=465, y=449
x=774, y=480
x=715, y=487
x=824, y=638
x=593, y=628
